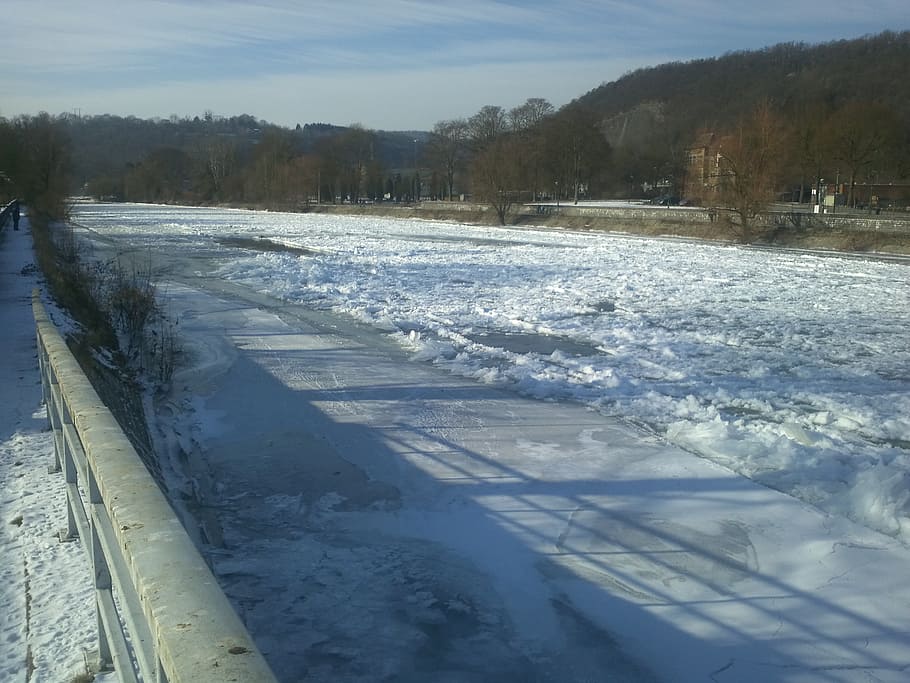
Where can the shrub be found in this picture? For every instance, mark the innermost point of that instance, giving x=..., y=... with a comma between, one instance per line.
x=132, y=305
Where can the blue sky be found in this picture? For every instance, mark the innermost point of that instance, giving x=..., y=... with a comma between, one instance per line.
x=391, y=64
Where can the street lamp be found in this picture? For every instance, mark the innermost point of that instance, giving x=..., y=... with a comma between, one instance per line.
x=416, y=188
x=836, y=190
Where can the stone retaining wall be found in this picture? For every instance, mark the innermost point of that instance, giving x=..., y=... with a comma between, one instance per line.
x=791, y=228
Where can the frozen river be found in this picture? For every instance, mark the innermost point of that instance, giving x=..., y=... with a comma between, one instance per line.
x=432, y=451
x=791, y=369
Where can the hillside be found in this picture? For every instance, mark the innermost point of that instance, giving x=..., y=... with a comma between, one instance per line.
x=714, y=93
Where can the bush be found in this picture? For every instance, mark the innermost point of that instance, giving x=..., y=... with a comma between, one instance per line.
x=132, y=305
x=70, y=282
x=117, y=307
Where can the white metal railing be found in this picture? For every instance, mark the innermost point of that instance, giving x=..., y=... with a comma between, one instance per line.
x=162, y=616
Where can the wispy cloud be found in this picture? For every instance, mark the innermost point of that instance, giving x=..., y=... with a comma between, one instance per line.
x=136, y=57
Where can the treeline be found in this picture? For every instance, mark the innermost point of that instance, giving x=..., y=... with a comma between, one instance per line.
x=522, y=154
x=218, y=159
x=834, y=111
x=243, y=160
x=35, y=164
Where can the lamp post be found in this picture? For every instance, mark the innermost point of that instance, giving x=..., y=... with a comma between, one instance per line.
x=836, y=189
x=416, y=189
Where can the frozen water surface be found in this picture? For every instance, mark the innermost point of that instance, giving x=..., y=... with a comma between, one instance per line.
x=474, y=473
x=792, y=369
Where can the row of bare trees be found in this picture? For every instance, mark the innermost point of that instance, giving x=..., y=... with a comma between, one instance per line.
x=524, y=153
x=273, y=170
x=35, y=163
x=497, y=156
x=768, y=151
x=860, y=141
x=533, y=151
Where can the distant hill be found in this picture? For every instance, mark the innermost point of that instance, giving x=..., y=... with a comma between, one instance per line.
x=107, y=144
x=679, y=98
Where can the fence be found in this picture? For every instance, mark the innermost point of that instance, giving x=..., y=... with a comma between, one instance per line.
x=161, y=614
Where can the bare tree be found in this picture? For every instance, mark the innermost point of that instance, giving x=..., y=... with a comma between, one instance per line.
x=529, y=115
x=446, y=149
x=160, y=177
x=576, y=151
x=495, y=175
x=43, y=175
x=347, y=158
x=267, y=178
x=527, y=121
x=752, y=159
x=808, y=150
x=861, y=135
x=303, y=179
x=487, y=125
x=217, y=156
x=10, y=153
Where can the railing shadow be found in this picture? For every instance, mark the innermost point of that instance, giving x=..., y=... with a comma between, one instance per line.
x=434, y=529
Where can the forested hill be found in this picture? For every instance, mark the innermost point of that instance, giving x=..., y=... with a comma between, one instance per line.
x=107, y=145
x=714, y=93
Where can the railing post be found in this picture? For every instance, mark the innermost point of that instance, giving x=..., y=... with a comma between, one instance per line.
x=42, y=368
x=162, y=676
x=53, y=416
x=70, y=474
x=102, y=586
x=102, y=576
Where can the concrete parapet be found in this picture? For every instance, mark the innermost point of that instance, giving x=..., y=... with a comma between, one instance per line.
x=195, y=634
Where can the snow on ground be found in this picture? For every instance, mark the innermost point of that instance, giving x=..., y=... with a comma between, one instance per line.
x=47, y=618
x=790, y=368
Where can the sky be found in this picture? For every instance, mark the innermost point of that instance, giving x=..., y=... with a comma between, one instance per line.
x=392, y=65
